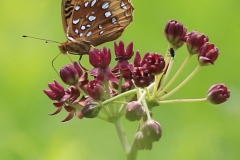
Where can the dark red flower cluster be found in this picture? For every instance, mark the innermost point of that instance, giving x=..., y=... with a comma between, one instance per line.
x=105, y=81
x=132, y=89
x=91, y=90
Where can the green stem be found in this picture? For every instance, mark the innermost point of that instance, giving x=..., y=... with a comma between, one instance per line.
x=80, y=90
x=181, y=84
x=73, y=105
x=183, y=100
x=123, y=106
x=157, y=79
x=102, y=118
x=175, y=76
x=108, y=96
x=167, y=73
x=120, y=84
x=122, y=95
x=122, y=135
x=132, y=155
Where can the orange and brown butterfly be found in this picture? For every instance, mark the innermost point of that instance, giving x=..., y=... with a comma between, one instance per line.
x=89, y=23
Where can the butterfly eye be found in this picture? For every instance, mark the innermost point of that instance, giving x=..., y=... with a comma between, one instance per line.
x=89, y=23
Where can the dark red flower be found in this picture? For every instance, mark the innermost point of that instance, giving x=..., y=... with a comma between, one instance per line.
x=195, y=41
x=100, y=60
x=154, y=63
x=218, y=93
x=174, y=33
x=95, y=90
x=56, y=92
x=121, y=53
x=142, y=78
x=138, y=62
x=122, y=56
x=207, y=54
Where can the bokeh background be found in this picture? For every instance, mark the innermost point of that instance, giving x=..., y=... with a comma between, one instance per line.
x=190, y=130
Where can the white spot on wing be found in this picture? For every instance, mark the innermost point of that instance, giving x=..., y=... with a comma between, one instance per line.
x=91, y=18
x=85, y=4
x=77, y=8
x=93, y=2
x=70, y=38
x=89, y=33
x=100, y=26
x=83, y=27
x=76, y=31
x=114, y=20
x=88, y=25
x=105, y=5
x=81, y=34
x=101, y=32
x=108, y=14
x=75, y=21
x=123, y=5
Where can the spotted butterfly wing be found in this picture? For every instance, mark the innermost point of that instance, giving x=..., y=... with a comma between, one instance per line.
x=93, y=22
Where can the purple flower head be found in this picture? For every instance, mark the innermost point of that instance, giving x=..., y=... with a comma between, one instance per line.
x=100, y=60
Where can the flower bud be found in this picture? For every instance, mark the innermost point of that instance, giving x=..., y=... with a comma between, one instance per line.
x=218, y=93
x=207, y=54
x=69, y=75
x=141, y=142
x=95, y=90
x=154, y=63
x=152, y=130
x=134, y=111
x=90, y=110
x=56, y=91
x=174, y=33
x=195, y=41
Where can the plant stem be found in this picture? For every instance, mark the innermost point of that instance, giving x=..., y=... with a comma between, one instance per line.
x=183, y=100
x=175, y=76
x=132, y=155
x=122, y=135
x=122, y=95
x=182, y=84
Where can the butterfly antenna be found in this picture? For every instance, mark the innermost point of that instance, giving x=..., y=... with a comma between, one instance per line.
x=46, y=40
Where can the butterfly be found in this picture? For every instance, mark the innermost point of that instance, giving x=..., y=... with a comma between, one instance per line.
x=89, y=23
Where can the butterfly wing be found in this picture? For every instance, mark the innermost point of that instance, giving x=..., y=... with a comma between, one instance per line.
x=95, y=21
x=67, y=9
x=111, y=21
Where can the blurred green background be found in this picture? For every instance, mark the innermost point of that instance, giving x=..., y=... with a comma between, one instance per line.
x=190, y=131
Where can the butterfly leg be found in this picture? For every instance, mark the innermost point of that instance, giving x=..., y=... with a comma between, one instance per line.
x=53, y=63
